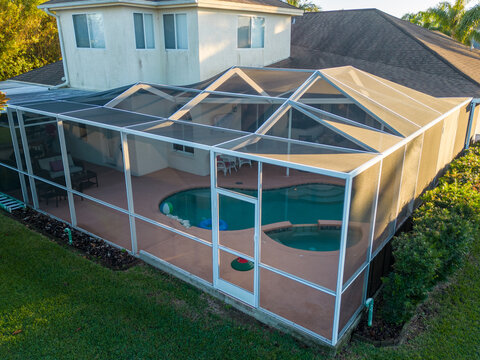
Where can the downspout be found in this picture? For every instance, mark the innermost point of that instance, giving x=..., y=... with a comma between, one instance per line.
x=473, y=104
x=62, y=50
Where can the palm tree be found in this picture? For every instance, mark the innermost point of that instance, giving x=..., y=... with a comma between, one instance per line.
x=305, y=5
x=452, y=20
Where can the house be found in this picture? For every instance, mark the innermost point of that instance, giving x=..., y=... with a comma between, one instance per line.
x=273, y=189
x=111, y=43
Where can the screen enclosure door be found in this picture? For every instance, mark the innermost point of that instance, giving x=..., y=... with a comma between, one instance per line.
x=237, y=244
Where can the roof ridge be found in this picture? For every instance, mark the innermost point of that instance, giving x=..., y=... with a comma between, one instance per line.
x=339, y=10
x=436, y=54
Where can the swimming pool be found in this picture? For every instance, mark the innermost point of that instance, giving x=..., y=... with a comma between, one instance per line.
x=312, y=238
x=302, y=204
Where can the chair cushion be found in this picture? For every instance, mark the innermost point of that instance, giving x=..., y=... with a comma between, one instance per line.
x=56, y=165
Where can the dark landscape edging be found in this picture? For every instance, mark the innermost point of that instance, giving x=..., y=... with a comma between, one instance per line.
x=95, y=248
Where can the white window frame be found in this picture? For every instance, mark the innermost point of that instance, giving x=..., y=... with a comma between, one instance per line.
x=88, y=31
x=183, y=151
x=251, y=32
x=175, y=30
x=144, y=33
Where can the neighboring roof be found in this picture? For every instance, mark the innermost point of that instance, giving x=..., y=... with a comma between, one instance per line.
x=50, y=74
x=275, y=3
x=19, y=92
x=385, y=46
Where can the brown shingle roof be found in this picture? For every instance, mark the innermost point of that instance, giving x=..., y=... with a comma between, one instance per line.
x=383, y=45
x=458, y=55
x=50, y=74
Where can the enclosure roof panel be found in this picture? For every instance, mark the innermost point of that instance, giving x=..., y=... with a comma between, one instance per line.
x=266, y=82
x=193, y=133
x=57, y=106
x=284, y=111
x=373, y=138
x=327, y=158
x=404, y=109
x=152, y=100
x=111, y=117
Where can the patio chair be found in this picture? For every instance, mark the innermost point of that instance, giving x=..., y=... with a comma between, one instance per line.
x=225, y=163
x=242, y=161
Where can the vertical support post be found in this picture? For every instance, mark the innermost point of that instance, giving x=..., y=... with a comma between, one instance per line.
x=412, y=203
x=18, y=158
x=372, y=233
x=289, y=135
x=28, y=161
x=128, y=186
x=258, y=232
x=341, y=260
x=66, y=172
x=470, y=124
x=215, y=216
x=400, y=188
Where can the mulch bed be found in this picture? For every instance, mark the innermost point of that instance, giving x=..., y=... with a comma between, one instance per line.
x=92, y=247
x=380, y=333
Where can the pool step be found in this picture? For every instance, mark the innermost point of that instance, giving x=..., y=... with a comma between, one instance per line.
x=9, y=203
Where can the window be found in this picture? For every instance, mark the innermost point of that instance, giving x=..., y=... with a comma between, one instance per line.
x=182, y=148
x=143, y=25
x=175, y=29
x=89, y=30
x=251, y=32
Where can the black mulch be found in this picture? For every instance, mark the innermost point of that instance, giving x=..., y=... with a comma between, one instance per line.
x=94, y=248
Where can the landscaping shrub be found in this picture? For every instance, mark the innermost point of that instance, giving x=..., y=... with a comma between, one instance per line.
x=465, y=170
x=444, y=227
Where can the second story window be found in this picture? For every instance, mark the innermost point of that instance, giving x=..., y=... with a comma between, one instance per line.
x=251, y=32
x=89, y=30
x=175, y=29
x=143, y=24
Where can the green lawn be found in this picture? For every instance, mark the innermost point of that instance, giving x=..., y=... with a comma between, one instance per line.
x=68, y=307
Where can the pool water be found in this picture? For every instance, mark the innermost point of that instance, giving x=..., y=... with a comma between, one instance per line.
x=302, y=204
x=308, y=238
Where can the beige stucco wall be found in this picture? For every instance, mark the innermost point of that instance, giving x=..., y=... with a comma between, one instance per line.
x=218, y=41
x=120, y=63
x=212, y=48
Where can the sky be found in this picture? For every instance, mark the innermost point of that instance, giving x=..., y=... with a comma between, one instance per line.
x=393, y=7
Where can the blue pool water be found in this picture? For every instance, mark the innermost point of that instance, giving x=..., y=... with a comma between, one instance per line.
x=302, y=204
x=309, y=238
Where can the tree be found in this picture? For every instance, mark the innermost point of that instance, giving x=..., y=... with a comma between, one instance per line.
x=453, y=20
x=28, y=37
x=305, y=5
x=3, y=100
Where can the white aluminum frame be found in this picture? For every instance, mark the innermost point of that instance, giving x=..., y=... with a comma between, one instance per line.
x=18, y=158
x=236, y=291
x=292, y=101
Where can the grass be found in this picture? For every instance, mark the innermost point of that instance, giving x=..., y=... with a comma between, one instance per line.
x=68, y=307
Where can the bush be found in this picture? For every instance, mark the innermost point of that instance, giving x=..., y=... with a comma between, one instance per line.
x=465, y=170
x=444, y=227
x=414, y=273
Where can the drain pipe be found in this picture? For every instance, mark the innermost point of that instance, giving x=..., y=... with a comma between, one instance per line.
x=369, y=306
x=62, y=50
x=473, y=104
x=69, y=233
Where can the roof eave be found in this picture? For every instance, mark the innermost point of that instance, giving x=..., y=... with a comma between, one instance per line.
x=215, y=4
